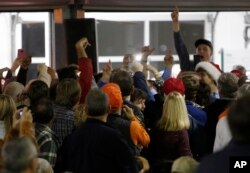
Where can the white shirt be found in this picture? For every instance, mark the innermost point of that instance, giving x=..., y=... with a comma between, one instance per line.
x=223, y=134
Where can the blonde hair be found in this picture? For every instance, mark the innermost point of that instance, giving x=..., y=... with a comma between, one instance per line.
x=184, y=164
x=80, y=114
x=43, y=166
x=7, y=110
x=174, y=115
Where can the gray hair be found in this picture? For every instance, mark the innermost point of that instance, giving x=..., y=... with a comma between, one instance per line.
x=97, y=103
x=243, y=90
x=17, y=154
x=228, y=85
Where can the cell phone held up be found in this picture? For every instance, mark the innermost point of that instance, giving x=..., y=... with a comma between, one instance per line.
x=21, y=53
x=197, y=59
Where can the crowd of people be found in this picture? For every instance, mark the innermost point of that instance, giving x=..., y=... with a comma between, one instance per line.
x=119, y=121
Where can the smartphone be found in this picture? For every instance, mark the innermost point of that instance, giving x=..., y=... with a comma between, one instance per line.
x=19, y=113
x=197, y=59
x=21, y=53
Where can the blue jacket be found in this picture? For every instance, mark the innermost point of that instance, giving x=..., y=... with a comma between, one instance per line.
x=197, y=113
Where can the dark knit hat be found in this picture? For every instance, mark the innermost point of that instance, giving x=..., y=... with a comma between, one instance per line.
x=203, y=41
x=173, y=84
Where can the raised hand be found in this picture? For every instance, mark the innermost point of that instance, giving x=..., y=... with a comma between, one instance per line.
x=22, y=115
x=175, y=19
x=25, y=63
x=26, y=115
x=128, y=112
x=17, y=62
x=169, y=59
x=83, y=43
x=2, y=70
x=146, y=51
x=175, y=14
x=107, y=71
x=81, y=46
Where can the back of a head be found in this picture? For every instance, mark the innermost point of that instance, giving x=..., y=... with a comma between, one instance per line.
x=138, y=94
x=80, y=114
x=44, y=166
x=124, y=80
x=184, y=164
x=239, y=119
x=241, y=75
x=13, y=89
x=68, y=92
x=174, y=114
x=228, y=85
x=192, y=84
x=243, y=90
x=203, y=94
x=7, y=110
x=97, y=103
x=114, y=95
x=67, y=73
x=37, y=89
x=18, y=153
x=241, y=68
x=42, y=111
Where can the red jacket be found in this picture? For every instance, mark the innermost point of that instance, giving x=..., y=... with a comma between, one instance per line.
x=86, y=75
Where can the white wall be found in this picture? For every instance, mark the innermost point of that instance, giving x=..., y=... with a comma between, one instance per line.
x=5, y=40
x=8, y=51
x=229, y=35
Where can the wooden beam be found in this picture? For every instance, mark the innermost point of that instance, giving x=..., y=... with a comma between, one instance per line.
x=58, y=15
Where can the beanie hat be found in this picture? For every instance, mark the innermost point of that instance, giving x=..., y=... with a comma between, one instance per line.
x=210, y=68
x=114, y=94
x=203, y=41
x=173, y=84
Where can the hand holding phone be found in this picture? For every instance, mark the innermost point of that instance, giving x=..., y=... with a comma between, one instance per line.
x=21, y=53
x=197, y=59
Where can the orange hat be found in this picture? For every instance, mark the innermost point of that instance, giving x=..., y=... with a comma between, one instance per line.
x=114, y=94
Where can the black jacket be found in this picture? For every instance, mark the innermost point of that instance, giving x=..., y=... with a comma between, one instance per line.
x=96, y=147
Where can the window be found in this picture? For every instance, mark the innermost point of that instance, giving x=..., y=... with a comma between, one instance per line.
x=121, y=33
x=28, y=30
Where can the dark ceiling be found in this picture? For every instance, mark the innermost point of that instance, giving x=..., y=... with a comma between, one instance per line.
x=167, y=5
x=130, y=5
